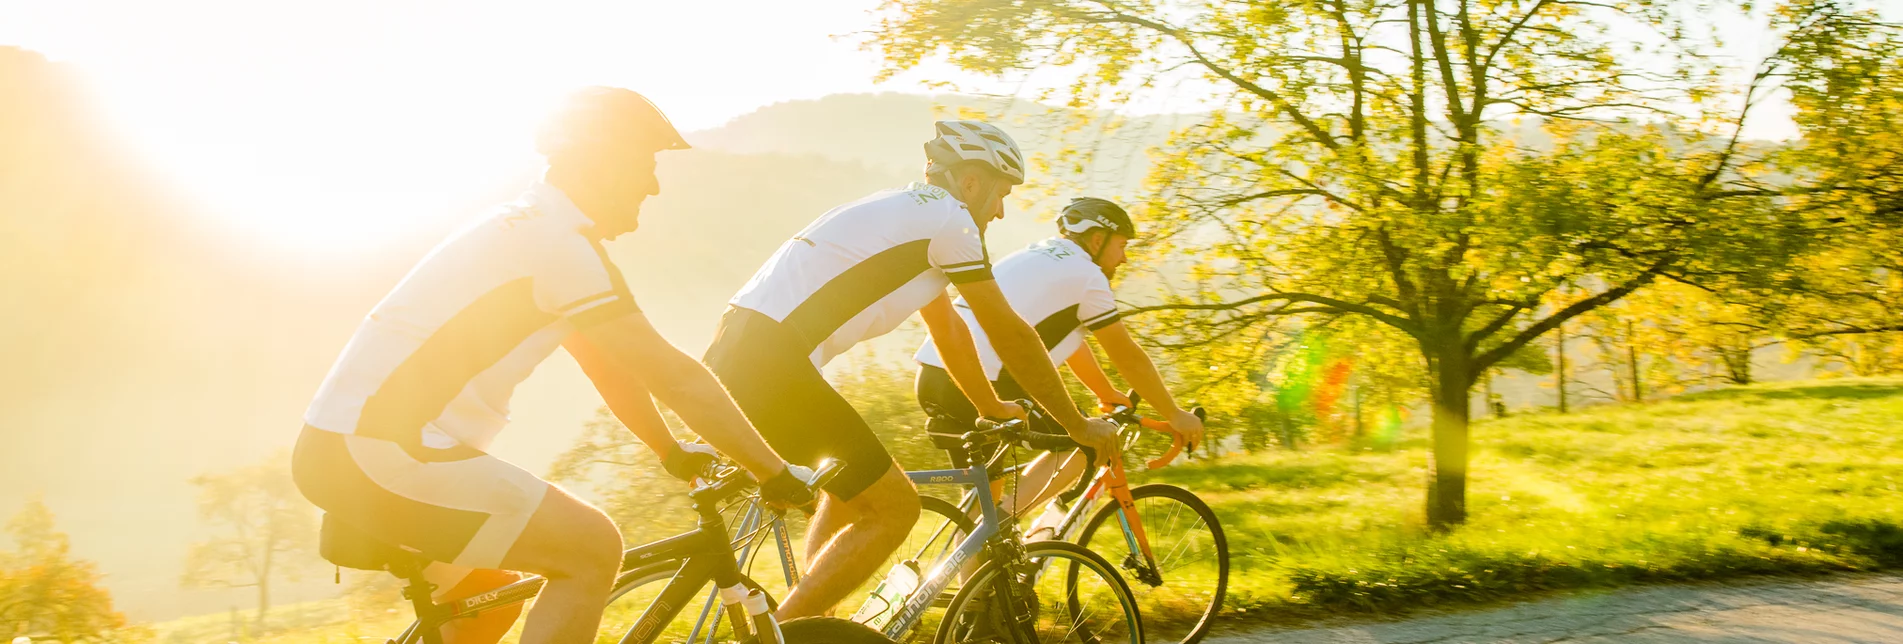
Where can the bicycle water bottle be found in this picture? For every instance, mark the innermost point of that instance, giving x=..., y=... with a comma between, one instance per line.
x=889, y=597
x=1048, y=522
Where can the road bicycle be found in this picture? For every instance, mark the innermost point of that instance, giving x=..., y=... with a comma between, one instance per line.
x=1172, y=552
x=1011, y=592
x=687, y=563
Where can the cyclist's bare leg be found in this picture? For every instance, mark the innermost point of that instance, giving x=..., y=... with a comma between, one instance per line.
x=578, y=549
x=487, y=628
x=1046, y=477
x=827, y=521
x=874, y=524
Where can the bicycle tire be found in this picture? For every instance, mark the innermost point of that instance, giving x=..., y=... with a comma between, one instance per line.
x=1171, y=618
x=615, y=624
x=973, y=611
x=829, y=630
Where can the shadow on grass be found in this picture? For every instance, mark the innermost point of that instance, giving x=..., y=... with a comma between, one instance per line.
x=1845, y=391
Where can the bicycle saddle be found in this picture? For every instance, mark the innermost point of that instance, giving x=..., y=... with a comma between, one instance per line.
x=346, y=546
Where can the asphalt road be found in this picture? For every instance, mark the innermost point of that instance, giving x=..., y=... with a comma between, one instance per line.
x=1835, y=609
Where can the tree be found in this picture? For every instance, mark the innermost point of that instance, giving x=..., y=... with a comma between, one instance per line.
x=1850, y=181
x=1469, y=173
x=46, y=593
x=263, y=529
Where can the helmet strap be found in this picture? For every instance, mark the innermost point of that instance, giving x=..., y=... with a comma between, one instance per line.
x=1103, y=239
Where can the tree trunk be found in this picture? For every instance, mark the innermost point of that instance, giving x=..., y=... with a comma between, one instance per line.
x=1632, y=360
x=1559, y=371
x=1737, y=364
x=264, y=582
x=264, y=606
x=1452, y=387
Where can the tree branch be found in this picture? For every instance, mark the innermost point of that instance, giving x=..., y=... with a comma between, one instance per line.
x=1498, y=353
x=1332, y=306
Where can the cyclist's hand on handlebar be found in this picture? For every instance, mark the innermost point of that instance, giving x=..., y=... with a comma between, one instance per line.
x=791, y=488
x=1189, y=426
x=1101, y=437
x=688, y=460
x=1004, y=410
x=1109, y=403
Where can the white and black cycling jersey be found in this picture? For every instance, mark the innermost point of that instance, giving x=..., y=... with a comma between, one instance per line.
x=861, y=269
x=1055, y=286
x=442, y=353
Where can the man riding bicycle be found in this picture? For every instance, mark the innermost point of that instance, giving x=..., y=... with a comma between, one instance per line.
x=1064, y=284
x=854, y=274
x=394, y=443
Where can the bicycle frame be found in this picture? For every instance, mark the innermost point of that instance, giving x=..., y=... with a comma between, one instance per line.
x=1111, y=479
x=696, y=558
x=941, y=576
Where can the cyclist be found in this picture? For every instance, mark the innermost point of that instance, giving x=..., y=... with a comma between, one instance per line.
x=1063, y=283
x=855, y=274
x=394, y=442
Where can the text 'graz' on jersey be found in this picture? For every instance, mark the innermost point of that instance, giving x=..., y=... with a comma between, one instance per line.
x=1054, y=286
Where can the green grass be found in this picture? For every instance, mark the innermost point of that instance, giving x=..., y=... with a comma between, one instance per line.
x=1795, y=478
x=1790, y=478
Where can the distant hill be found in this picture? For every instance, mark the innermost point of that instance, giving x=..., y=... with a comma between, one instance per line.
x=887, y=130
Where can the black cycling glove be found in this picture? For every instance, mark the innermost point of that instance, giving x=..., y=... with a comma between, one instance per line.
x=688, y=461
x=786, y=490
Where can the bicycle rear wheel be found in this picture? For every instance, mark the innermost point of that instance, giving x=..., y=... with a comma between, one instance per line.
x=1182, y=593
x=1060, y=593
x=636, y=593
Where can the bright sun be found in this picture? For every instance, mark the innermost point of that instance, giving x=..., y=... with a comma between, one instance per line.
x=342, y=168
x=339, y=126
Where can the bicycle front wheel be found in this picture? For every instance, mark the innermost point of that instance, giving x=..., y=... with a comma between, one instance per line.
x=1181, y=593
x=1060, y=593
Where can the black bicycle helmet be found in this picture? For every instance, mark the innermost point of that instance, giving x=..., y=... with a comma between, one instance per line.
x=1085, y=213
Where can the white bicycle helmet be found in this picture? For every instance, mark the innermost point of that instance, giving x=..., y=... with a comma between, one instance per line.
x=974, y=141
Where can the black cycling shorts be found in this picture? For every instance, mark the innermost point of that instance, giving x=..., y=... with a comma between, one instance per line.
x=949, y=413
x=773, y=380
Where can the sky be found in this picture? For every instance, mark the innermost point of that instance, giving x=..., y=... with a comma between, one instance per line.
x=330, y=127
x=316, y=121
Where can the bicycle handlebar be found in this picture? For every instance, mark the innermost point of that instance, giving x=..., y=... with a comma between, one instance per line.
x=725, y=480
x=1126, y=414
x=1020, y=430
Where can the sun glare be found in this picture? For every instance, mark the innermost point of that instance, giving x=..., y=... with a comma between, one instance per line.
x=336, y=127
x=340, y=168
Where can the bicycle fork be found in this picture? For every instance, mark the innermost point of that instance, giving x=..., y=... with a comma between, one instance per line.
x=1141, y=559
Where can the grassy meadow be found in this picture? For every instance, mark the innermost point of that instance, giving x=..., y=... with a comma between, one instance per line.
x=1788, y=478
x=1784, y=478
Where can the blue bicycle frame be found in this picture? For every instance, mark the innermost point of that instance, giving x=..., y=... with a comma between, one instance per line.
x=932, y=582
x=941, y=576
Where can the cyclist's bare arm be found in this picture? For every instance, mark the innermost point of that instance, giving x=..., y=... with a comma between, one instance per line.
x=629, y=345
x=1084, y=365
x=1136, y=367
x=626, y=396
x=1023, y=354
x=955, y=346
